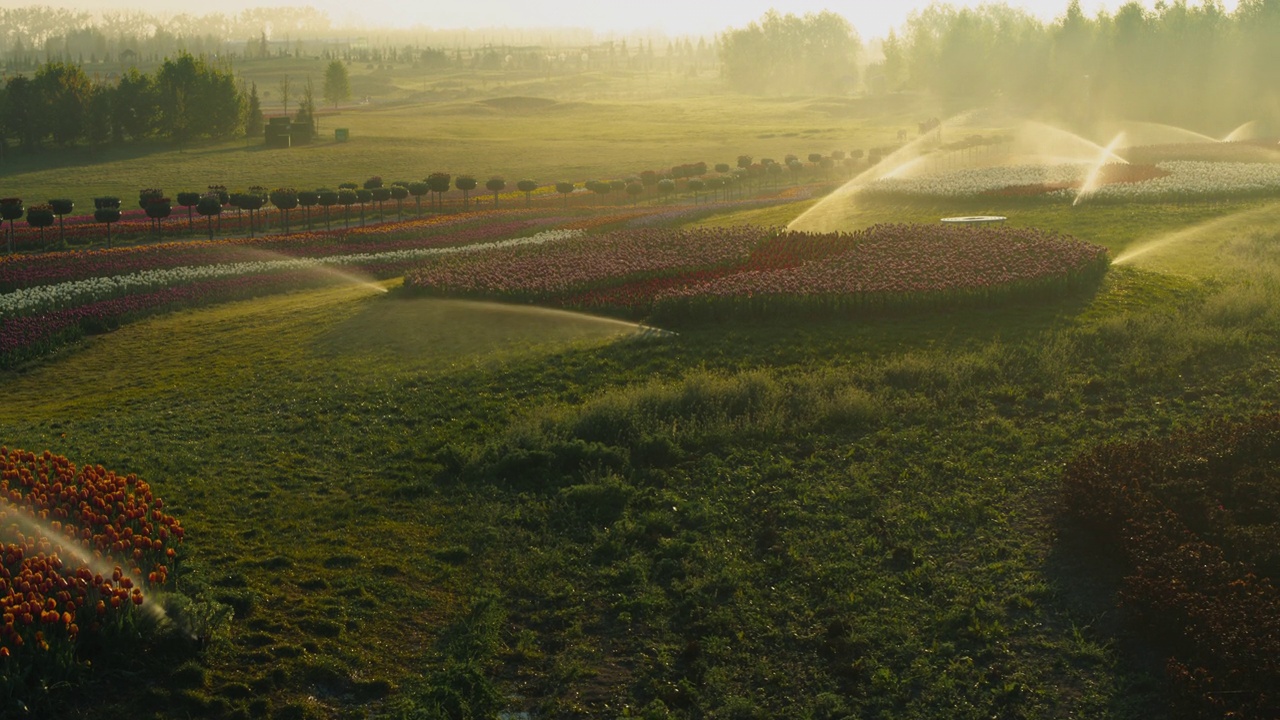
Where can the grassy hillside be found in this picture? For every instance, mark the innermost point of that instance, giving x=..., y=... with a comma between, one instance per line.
x=487, y=128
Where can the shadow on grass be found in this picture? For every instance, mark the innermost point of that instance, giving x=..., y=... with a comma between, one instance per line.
x=1085, y=582
x=19, y=161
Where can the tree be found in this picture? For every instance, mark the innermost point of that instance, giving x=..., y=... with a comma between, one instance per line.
x=527, y=186
x=220, y=191
x=439, y=184
x=565, y=189
x=306, y=116
x=97, y=124
x=363, y=197
x=284, y=199
x=466, y=184
x=60, y=207
x=64, y=91
x=40, y=216
x=157, y=208
x=599, y=188
x=784, y=53
x=208, y=206
x=417, y=190
x=11, y=209
x=495, y=185
x=106, y=210
x=695, y=186
x=327, y=199
x=337, y=85
x=381, y=195
x=196, y=99
x=135, y=108
x=22, y=110
x=252, y=201
x=286, y=87
x=308, y=199
x=346, y=198
x=189, y=200
x=399, y=191
x=253, y=118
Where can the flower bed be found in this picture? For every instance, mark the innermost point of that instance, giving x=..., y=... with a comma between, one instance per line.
x=751, y=272
x=1196, y=520
x=81, y=549
x=891, y=267
x=1189, y=181
x=36, y=321
x=26, y=271
x=581, y=264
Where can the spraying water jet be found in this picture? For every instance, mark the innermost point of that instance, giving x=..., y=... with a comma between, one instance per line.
x=1093, y=180
x=1246, y=131
x=28, y=525
x=830, y=213
x=1152, y=133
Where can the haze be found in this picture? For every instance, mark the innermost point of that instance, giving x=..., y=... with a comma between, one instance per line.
x=675, y=17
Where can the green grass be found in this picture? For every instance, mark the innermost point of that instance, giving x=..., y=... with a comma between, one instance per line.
x=513, y=129
x=411, y=503
x=404, y=498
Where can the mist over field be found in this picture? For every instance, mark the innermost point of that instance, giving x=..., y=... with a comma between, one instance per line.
x=817, y=360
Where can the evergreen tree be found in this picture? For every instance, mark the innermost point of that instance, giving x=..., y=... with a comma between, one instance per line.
x=253, y=120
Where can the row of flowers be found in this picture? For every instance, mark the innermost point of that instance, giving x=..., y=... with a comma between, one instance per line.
x=894, y=266
x=87, y=307
x=582, y=263
x=677, y=274
x=26, y=271
x=1172, y=181
x=386, y=202
x=78, y=292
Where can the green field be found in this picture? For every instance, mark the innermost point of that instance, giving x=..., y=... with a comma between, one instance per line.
x=466, y=124
x=415, y=505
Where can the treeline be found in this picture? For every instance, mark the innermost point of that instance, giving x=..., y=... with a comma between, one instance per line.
x=816, y=53
x=31, y=36
x=1184, y=64
x=186, y=98
x=36, y=34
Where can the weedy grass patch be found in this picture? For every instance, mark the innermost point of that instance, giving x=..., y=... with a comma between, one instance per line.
x=776, y=518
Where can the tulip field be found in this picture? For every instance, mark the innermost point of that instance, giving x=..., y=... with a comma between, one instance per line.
x=745, y=272
x=905, y=469
x=84, y=548
x=132, y=282
x=50, y=299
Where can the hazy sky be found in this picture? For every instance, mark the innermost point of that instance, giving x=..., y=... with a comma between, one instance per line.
x=872, y=18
